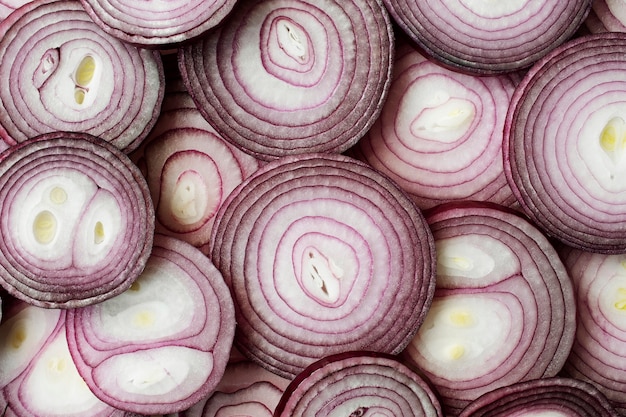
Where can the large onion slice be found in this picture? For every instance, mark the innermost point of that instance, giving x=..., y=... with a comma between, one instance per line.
x=564, y=143
x=76, y=220
x=504, y=307
x=60, y=72
x=282, y=77
x=487, y=37
x=323, y=254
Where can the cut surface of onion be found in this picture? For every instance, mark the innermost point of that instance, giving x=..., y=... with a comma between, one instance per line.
x=157, y=24
x=488, y=37
x=607, y=16
x=8, y=6
x=358, y=384
x=439, y=135
x=564, y=143
x=76, y=219
x=322, y=254
x=162, y=345
x=285, y=77
x=504, y=308
x=60, y=72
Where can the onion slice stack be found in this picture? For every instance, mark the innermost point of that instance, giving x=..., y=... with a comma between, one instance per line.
x=284, y=77
x=60, y=72
x=356, y=384
x=162, y=345
x=504, y=307
x=564, y=143
x=76, y=220
x=487, y=37
x=323, y=254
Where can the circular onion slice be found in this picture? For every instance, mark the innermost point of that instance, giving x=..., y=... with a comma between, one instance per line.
x=564, y=143
x=60, y=72
x=76, y=220
x=323, y=254
x=487, y=37
x=162, y=345
x=358, y=384
x=504, y=307
x=157, y=24
x=553, y=397
x=440, y=136
x=284, y=77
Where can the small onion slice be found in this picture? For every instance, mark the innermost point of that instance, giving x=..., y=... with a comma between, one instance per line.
x=322, y=254
x=284, y=77
x=162, y=345
x=565, y=139
x=355, y=384
x=60, y=72
x=76, y=220
x=504, y=307
x=487, y=37
x=607, y=16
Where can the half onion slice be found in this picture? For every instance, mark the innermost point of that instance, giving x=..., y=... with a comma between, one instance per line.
x=323, y=254
x=288, y=77
x=60, y=72
x=76, y=220
x=565, y=136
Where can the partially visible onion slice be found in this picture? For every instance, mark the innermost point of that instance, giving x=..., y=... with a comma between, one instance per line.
x=504, y=307
x=162, y=345
x=439, y=136
x=487, y=37
x=607, y=16
x=157, y=24
x=564, y=143
x=8, y=6
x=323, y=254
x=76, y=220
x=555, y=397
x=60, y=72
x=355, y=384
x=285, y=77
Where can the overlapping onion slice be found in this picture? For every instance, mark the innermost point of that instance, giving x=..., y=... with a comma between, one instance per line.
x=439, y=136
x=60, y=72
x=157, y=24
x=489, y=37
x=359, y=384
x=282, y=77
x=323, y=254
x=607, y=16
x=565, y=142
x=504, y=307
x=76, y=220
x=162, y=345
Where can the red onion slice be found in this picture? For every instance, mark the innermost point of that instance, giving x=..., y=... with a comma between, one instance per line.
x=161, y=24
x=323, y=254
x=8, y=6
x=358, y=384
x=564, y=141
x=76, y=219
x=488, y=37
x=440, y=137
x=282, y=77
x=60, y=72
x=162, y=345
x=504, y=307
x=607, y=16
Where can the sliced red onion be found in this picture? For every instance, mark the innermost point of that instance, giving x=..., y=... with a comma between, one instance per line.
x=8, y=6
x=157, y=24
x=487, y=37
x=564, y=143
x=599, y=351
x=439, y=136
x=607, y=16
x=323, y=254
x=554, y=397
x=162, y=345
x=504, y=307
x=60, y=72
x=76, y=220
x=284, y=77
x=356, y=384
